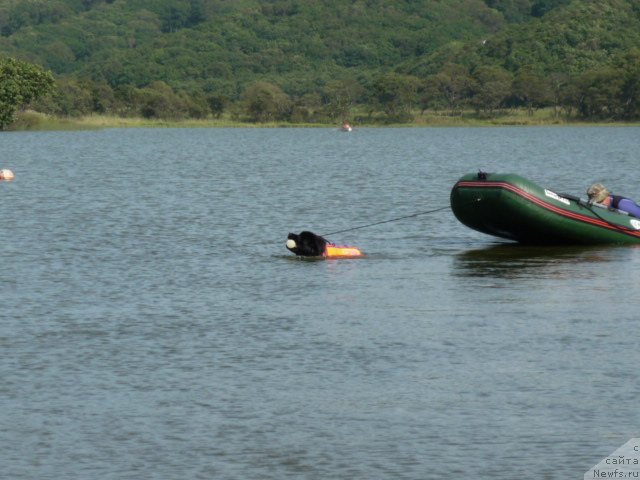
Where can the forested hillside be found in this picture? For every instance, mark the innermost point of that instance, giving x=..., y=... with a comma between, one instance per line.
x=312, y=61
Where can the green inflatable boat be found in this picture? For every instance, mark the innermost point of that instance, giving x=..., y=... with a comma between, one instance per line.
x=509, y=206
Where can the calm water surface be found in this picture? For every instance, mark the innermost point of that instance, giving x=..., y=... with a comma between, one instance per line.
x=154, y=326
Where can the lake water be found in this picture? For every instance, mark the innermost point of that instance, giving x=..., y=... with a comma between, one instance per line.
x=153, y=326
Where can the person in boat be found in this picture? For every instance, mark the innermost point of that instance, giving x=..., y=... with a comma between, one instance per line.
x=598, y=193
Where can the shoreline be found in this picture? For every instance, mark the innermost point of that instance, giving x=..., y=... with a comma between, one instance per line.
x=34, y=121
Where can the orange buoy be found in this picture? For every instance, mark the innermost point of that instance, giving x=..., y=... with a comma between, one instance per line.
x=344, y=251
x=6, y=174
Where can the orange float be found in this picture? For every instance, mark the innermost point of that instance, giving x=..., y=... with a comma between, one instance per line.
x=341, y=251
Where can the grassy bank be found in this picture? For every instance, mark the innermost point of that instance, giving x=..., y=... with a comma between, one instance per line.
x=34, y=121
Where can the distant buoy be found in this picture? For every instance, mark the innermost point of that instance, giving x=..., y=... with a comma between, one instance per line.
x=6, y=174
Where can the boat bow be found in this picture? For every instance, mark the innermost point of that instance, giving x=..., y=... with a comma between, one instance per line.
x=510, y=206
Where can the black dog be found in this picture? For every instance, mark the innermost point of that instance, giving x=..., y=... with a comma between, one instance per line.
x=306, y=244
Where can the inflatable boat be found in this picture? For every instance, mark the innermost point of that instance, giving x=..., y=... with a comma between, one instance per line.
x=509, y=206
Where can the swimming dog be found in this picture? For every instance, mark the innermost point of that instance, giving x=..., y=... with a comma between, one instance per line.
x=308, y=244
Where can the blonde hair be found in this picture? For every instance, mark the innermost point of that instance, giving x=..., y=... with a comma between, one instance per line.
x=597, y=193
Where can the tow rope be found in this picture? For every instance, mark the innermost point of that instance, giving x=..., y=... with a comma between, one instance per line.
x=386, y=221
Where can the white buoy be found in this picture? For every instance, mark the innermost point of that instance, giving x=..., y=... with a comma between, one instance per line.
x=6, y=174
x=291, y=244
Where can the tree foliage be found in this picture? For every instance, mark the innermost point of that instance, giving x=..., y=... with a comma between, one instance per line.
x=264, y=102
x=296, y=60
x=396, y=95
x=491, y=88
x=20, y=83
x=452, y=86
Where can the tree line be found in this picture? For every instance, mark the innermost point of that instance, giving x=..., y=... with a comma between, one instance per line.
x=610, y=93
x=316, y=62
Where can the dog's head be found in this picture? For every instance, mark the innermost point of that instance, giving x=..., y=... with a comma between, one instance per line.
x=306, y=244
x=292, y=242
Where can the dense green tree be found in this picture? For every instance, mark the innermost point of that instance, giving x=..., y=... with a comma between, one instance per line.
x=32, y=12
x=396, y=95
x=245, y=40
x=20, y=83
x=175, y=15
x=513, y=10
x=217, y=104
x=73, y=97
x=561, y=94
x=339, y=98
x=491, y=88
x=264, y=102
x=77, y=97
x=569, y=97
x=532, y=90
x=629, y=66
x=599, y=94
x=452, y=86
x=573, y=37
x=103, y=98
x=128, y=100
x=195, y=104
x=160, y=101
x=540, y=8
